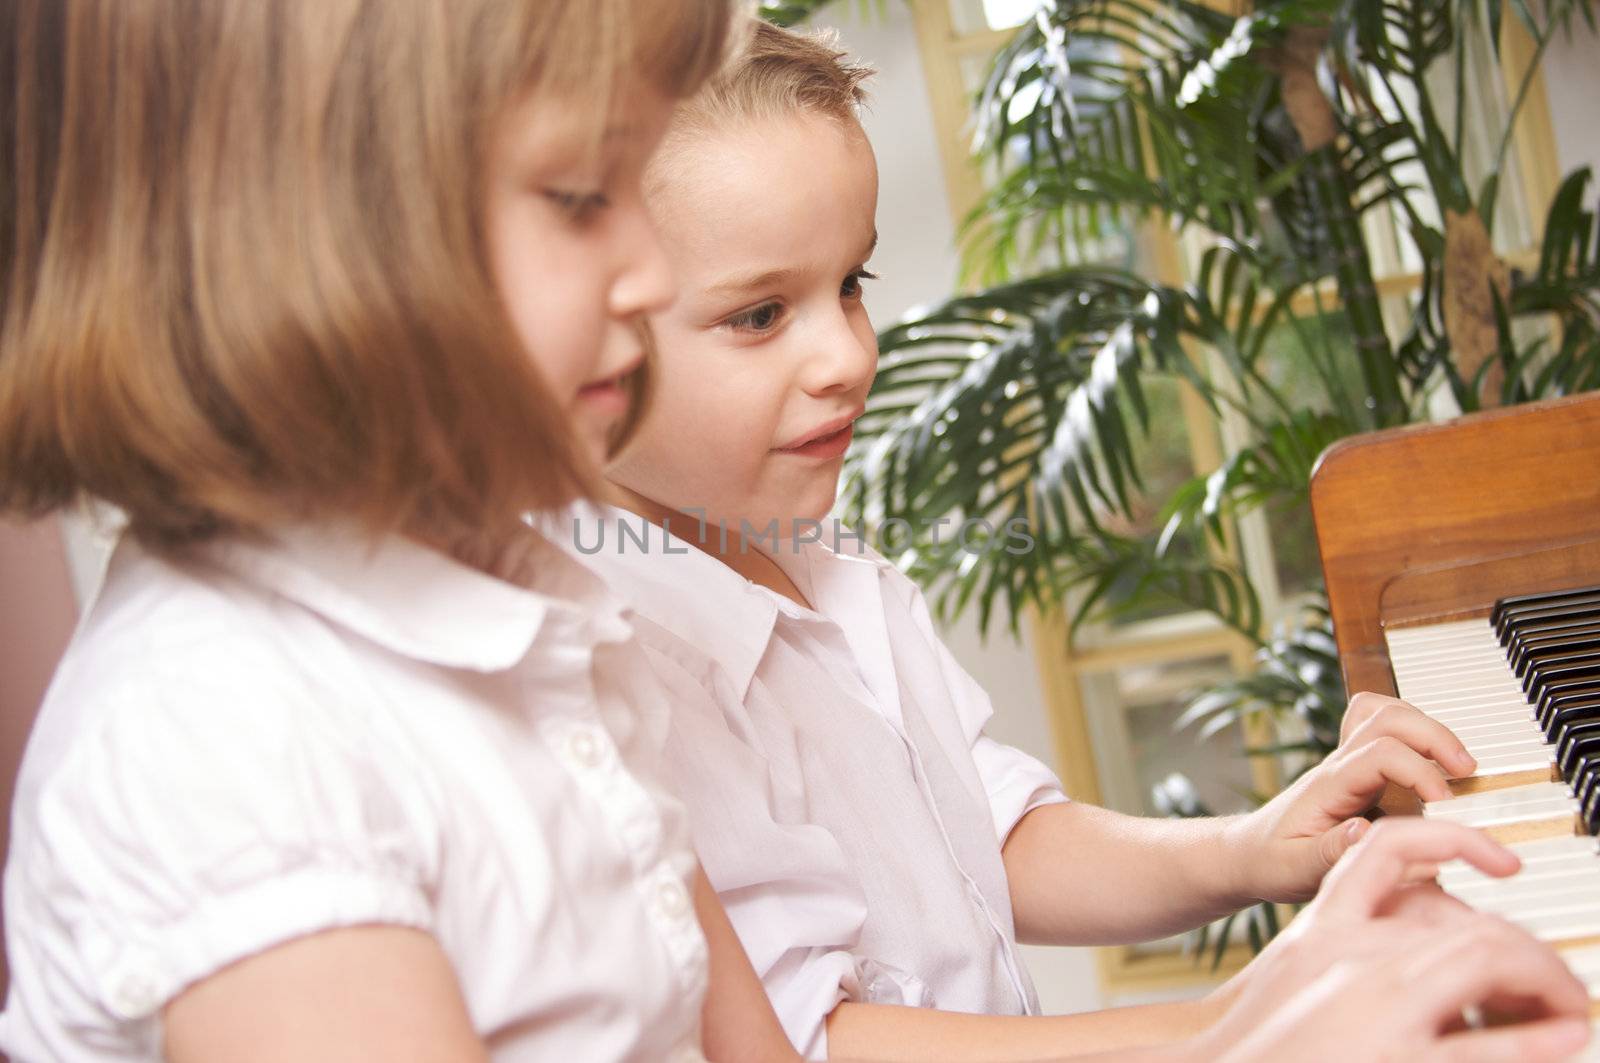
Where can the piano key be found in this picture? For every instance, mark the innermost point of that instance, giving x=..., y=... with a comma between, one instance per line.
x=1547, y=801
x=1557, y=925
x=1574, y=885
x=1534, y=855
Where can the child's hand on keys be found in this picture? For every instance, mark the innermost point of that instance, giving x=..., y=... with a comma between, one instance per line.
x=1284, y=848
x=1374, y=970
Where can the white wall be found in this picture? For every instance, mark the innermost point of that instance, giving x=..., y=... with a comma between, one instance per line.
x=1572, y=80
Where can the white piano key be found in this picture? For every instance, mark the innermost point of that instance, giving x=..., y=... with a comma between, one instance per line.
x=1539, y=760
x=1585, y=966
x=1542, y=852
x=1497, y=728
x=1498, y=807
x=1579, y=887
x=1496, y=745
x=1575, y=862
x=1559, y=924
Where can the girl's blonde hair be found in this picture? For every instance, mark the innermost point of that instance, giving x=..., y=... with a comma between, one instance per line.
x=243, y=267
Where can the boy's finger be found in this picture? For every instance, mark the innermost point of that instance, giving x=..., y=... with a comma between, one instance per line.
x=1535, y=1042
x=1403, y=721
x=1378, y=864
x=1425, y=904
x=1337, y=840
x=1364, y=704
x=1356, y=777
x=1489, y=961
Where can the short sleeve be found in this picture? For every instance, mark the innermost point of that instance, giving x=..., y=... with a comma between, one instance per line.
x=785, y=882
x=193, y=828
x=1015, y=782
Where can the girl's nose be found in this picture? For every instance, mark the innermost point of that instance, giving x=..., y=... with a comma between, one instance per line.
x=645, y=284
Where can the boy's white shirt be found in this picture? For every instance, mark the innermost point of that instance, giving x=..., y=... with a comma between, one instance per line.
x=282, y=738
x=844, y=800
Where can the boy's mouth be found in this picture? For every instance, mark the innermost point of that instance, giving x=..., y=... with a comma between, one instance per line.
x=826, y=441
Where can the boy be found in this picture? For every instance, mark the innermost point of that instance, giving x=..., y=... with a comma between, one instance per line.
x=870, y=844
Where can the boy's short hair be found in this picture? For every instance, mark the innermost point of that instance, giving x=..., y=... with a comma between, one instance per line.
x=778, y=72
x=244, y=275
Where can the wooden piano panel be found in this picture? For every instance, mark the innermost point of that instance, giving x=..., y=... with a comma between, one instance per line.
x=1436, y=520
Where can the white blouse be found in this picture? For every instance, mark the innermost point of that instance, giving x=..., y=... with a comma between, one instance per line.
x=273, y=740
x=844, y=800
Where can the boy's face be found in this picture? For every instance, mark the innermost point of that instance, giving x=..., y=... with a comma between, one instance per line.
x=765, y=359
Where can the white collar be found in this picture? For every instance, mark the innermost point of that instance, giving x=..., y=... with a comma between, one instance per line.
x=703, y=602
x=418, y=602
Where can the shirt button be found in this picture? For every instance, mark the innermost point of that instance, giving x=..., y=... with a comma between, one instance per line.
x=672, y=900
x=584, y=748
x=136, y=996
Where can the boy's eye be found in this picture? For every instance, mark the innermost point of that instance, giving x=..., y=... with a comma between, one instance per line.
x=758, y=318
x=579, y=206
x=851, y=288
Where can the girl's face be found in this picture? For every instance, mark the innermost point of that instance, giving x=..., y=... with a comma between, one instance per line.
x=766, y=358
x=574, y=253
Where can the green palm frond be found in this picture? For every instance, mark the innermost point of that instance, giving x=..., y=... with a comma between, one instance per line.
x=1031, y=387
x=1297, y=670
x=1274, y=471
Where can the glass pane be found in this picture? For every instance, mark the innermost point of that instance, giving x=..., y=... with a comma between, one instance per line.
x=1311, y=360
x=975, y=16
x=1131, y=713
x=1165, y=462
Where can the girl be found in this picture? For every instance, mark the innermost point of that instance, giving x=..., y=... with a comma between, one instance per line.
x=344, y=762
x=870, y=844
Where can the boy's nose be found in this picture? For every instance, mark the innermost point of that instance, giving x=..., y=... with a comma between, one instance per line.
x=845, y=361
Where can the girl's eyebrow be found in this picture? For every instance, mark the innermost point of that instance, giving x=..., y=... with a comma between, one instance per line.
x=772, y=277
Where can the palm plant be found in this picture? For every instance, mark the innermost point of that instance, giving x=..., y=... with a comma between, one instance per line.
x=1272, y=136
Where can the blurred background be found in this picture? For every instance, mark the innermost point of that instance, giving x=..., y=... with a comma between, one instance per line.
x=1140, y=263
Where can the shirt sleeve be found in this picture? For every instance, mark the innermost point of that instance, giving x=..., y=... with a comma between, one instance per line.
x=190, y=828
x=788, y=890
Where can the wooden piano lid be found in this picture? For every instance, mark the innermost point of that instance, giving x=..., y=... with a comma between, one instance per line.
x=1439, y=520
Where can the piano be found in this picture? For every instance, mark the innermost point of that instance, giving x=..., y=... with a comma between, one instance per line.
x=1462, y=563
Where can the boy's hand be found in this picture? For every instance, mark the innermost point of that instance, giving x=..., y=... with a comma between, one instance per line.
x=1284, y=848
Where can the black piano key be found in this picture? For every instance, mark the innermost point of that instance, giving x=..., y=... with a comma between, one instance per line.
x=1569, y=711
x=1520, y=604
x=1522, y=649
x=1579, y=741
x=1533, y=629
x=1546, y=703
x=1540, y=679
x=1583, y=780
x=1589, y=812
x=1523, y=618
x=1555, y=653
